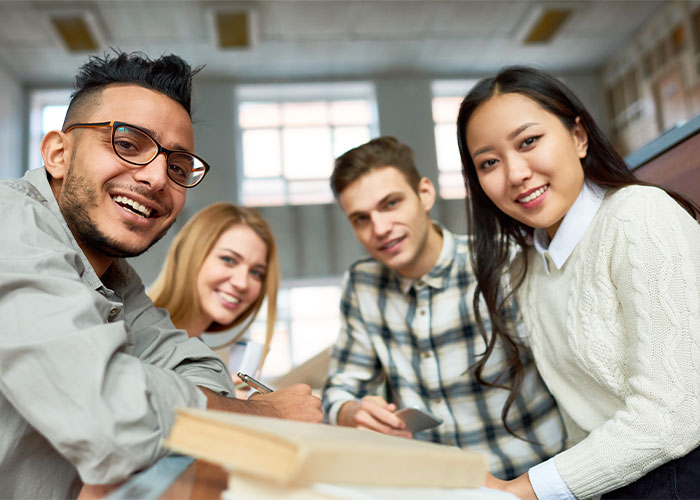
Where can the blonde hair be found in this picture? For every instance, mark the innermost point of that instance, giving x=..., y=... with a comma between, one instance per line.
x=174, y=288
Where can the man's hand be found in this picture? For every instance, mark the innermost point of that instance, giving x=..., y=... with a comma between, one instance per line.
x=293, y=403
x=374, y=413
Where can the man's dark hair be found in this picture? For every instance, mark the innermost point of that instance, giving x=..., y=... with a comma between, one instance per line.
x=169, y=75
x=380, y=152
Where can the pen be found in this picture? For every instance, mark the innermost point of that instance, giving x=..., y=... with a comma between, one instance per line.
x=255, y=384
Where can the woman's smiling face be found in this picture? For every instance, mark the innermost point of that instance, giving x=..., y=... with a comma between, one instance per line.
x=527, y=162
x=232, y=275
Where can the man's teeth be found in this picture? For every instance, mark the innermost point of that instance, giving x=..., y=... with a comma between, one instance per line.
x=137, y=207
x=391, y=244
x=229, y=298
x=533, y=195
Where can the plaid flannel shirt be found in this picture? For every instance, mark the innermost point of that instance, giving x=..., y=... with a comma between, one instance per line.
x=418, y=341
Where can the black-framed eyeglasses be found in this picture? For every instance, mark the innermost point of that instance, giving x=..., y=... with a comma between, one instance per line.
x=137, y=147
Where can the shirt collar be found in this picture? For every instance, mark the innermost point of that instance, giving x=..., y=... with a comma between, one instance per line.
x=572, y=228
x=439, y=272
x=39, y=179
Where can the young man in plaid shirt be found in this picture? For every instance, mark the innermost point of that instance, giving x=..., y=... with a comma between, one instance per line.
x=409, y=336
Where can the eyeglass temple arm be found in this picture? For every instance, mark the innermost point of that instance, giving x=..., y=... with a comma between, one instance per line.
x=88, y=125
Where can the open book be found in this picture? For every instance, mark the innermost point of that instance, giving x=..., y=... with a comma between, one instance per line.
x=286, y=452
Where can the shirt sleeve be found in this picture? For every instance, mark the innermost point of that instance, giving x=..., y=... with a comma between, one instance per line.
x=354, y=370
x=655, y=286
x=101, y=392
x=157, y=342
x=547, y=482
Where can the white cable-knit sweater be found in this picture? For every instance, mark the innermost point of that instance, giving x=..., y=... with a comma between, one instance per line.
x=616, y=336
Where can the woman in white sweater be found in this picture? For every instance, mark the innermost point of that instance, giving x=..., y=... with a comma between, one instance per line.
x=608, y=283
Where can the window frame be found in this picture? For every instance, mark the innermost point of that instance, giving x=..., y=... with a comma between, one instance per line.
x=39, y=99
x=456, y=88
x=297, y=93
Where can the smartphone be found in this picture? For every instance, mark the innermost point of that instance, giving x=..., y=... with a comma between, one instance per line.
x=417, y=420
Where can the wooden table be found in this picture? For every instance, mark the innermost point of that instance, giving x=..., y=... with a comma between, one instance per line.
x=174, y=477
x=200, y=481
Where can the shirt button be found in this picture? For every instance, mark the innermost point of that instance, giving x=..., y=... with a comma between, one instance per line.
x=438, y=401
x=113, y=313
x=426, y=355
x=422, y=312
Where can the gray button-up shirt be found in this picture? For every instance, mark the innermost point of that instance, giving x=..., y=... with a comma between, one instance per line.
x=90, y=370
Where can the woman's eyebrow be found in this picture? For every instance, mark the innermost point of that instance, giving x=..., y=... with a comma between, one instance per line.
x=510, y=137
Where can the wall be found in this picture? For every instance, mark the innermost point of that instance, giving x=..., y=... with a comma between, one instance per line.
x=317, y=241
x=11, y=125
x=654, y=81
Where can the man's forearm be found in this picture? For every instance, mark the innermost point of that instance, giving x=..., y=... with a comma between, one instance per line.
x=295, y=403
x=249, y=406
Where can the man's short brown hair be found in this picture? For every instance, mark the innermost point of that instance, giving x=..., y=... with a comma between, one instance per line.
x=380, y=152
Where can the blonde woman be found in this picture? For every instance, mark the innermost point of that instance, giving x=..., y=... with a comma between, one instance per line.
x=219, y=269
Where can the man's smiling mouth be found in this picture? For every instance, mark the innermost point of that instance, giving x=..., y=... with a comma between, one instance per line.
x=391, y=244
x=133, y=206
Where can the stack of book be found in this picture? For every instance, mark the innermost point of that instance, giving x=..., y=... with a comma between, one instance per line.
x=282, y=459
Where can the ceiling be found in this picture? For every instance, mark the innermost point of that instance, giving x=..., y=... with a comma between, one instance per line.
x=304, y=39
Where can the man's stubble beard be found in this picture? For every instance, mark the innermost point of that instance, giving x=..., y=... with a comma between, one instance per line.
x=77, y=197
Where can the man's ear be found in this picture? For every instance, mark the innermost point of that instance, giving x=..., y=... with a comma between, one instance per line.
x=580, y=138
x=55, y=150
x=426, y=193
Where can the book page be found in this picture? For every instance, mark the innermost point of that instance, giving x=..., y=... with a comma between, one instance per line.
x=247, y=488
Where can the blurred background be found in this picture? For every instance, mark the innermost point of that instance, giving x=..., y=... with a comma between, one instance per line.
x=290, y=84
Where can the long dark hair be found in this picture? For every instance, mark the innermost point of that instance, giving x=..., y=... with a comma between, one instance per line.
x=494, y=232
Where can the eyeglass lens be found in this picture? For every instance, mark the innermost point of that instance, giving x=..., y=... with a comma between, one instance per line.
x=134, y=146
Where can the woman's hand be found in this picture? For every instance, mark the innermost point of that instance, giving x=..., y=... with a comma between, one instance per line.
x=243, y=392
x=520, y=486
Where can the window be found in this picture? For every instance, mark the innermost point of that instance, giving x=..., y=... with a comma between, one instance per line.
x=661, y=53
x=447, y=96
x=290, y=135
x=625, y=100
x=677, y=39
x=47, y=111
x=632, y=95
x=696, y=29
x=648, y=63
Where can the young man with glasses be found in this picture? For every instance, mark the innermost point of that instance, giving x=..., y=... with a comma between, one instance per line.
x=409, y=337
x=90, y=370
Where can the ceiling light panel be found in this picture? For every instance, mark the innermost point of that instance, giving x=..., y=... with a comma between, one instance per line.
x=75, y=33
x=546, y=24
